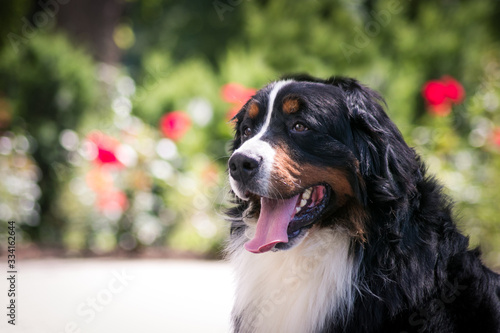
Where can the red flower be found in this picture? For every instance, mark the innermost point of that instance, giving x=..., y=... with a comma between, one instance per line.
x=237, y=95
x=175, y=124
x=106, y=156
x=106, y=147
x=440, y=95
x=112, y=199
x=453, y=89
x=434, y=92
x=496, y=136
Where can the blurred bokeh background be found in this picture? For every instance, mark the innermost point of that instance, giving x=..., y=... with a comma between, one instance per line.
x=114, y=115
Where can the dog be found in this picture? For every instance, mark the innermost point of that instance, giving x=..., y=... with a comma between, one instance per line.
x=336, y=225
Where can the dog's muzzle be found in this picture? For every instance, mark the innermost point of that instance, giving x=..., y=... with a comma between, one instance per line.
x=243, y=167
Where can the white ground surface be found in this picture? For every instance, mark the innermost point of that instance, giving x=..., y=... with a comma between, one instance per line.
x=119, y=296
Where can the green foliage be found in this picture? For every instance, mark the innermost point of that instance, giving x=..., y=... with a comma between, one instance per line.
x=49, y=86
x=10, y=16
x=183, y=55
x=394, y=47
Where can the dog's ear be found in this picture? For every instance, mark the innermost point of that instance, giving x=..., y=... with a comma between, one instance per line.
x=384, y=157
x=365, y=113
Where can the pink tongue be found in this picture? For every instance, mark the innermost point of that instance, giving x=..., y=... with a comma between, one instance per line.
x=275, y=215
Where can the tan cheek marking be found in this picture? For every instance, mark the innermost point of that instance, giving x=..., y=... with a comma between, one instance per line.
x=288, y=177
x=291, y=105
x=334, y=177
x=350, y=213
x=253, y=110
x=285, y=176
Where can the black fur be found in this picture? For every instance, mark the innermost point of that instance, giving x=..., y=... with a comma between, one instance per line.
x=417, y=273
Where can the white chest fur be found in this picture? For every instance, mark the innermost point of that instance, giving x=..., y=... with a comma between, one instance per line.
x=294, y=290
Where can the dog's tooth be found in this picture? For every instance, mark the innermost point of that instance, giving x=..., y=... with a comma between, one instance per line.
x=297, y=210
x=307, y=194
x=303, y=202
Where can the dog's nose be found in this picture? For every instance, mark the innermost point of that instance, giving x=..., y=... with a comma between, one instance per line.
x=243, y=167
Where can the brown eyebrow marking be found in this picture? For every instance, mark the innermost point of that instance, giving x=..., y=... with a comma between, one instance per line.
x=253, y=109
x=291, y=104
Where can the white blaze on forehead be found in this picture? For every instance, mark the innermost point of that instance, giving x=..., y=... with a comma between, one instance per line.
x=257, y=148
x=272, y=96
x=270, y=105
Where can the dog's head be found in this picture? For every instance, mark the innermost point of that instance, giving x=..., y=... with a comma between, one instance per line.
x=303, y=152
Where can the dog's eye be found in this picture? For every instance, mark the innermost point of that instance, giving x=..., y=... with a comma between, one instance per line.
x=247, y=131
x=299, y=127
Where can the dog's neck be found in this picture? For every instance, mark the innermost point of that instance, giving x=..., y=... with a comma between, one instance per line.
x=295, y=290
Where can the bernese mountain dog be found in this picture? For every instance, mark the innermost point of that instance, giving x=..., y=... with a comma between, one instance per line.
x=338, y=228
